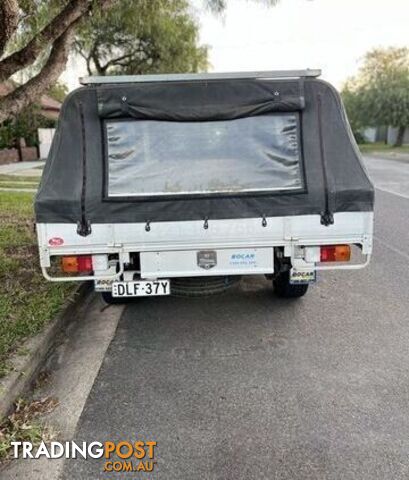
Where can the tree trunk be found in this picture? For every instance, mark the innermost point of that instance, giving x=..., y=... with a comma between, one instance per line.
x=59, y=32
x=69, y=15
x=8, y=21
x=26, y=94
x=400, y=137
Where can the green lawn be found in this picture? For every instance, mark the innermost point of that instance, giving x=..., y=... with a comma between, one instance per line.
x=19, y=178
x=27, y=301
x=18, y=186
x=19, y=182
x=382, y=147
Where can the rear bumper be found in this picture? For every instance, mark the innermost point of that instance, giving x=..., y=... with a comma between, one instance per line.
x=167, y=244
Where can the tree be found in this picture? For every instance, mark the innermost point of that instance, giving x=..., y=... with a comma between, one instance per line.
x=40, y=34
x=58, y=91
x=47, y=35
x=159, y=36
x=24, y=125
x=352, y=102
x=379, y=94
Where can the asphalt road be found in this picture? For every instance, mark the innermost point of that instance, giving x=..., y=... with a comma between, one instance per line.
x=248, y=386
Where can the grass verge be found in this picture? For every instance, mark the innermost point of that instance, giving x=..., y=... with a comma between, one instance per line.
x=19, y=182
x=19, y=178
x=25, y=425
x=382, y=148
x=27, y=301
x=18, y=186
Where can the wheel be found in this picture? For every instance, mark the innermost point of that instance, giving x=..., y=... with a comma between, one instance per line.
x=283, y=288
x=108, y=298
x=202, y=286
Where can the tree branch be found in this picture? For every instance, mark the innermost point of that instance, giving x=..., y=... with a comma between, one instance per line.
x=117, y=61
x=68, y=16
x=9, y=15
x=89, y=69
x=93, y=55
x=55, y=65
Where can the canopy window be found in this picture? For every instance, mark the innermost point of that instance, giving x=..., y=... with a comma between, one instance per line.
x=151, y=158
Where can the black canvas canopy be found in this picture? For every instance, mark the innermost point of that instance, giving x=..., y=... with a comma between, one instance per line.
x=202, y=147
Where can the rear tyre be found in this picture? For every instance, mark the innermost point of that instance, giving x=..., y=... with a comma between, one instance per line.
x=202, y=286
x=284, y=289
x=110, y=300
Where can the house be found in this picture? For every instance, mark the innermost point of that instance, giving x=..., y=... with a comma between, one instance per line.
x=50, y=109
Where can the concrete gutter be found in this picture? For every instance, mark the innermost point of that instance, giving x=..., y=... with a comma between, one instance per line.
x=72, y=368
x=26, y=367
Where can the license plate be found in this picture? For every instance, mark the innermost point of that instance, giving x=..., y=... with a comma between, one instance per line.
x=141, y=288
x=297, y=277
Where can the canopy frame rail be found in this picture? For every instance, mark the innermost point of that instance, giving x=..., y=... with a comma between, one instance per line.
x=187, y=77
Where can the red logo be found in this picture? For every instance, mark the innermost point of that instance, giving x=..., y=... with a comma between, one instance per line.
x=56, y=241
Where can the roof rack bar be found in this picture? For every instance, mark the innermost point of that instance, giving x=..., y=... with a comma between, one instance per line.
x=181, y=77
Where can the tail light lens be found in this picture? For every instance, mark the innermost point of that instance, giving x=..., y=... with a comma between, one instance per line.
x=335, y=253
x=78, y=264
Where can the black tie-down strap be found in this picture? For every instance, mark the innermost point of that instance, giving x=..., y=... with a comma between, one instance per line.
x=327, y=217
x=83, y=226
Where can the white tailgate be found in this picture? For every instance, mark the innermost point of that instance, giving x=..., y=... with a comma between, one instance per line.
x=192, y=263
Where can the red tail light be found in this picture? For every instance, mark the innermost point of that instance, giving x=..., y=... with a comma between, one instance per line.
x=335, y=253
x=78, y=264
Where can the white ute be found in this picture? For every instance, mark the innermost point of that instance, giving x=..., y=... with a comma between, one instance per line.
x=154, y=178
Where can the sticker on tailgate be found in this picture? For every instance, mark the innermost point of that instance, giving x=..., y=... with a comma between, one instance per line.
x=243, y=259
x=206, y=259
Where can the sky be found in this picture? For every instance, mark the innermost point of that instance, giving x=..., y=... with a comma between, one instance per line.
x=332, y=35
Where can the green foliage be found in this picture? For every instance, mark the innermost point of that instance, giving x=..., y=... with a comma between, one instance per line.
x=36, y=14
x=147, y=36
x=24, y=125
x=58, y=92
x=379, y=94
x=352, y=105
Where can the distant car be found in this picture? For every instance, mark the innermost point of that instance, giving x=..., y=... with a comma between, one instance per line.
x=152, y=178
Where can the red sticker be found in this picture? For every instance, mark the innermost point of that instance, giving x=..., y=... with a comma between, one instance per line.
x=55, y=241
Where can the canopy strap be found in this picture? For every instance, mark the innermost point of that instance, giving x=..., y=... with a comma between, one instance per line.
x=83, y=226
x=327, y=217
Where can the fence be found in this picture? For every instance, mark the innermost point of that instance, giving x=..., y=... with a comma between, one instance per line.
x=45, y=137
x=11, y=155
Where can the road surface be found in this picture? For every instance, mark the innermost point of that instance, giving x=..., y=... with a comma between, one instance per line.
x=249, y=386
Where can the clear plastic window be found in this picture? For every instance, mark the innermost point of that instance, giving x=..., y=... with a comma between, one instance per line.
x=156, y=158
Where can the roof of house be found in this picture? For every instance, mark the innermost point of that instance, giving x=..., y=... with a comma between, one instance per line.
x=50, y=107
